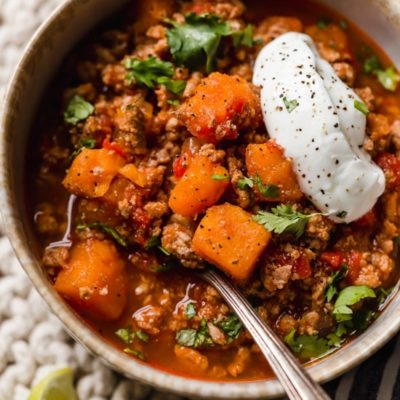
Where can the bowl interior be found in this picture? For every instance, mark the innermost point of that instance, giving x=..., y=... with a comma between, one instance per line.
x=71, y=21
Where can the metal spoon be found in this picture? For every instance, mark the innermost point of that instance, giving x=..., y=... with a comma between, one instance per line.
x=293, y=377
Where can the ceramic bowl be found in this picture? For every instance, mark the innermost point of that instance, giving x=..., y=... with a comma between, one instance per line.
x=41, y=59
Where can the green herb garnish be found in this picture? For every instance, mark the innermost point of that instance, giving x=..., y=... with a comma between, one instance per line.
x=360, y=106
x=196, y=42
x=244, y=182
x=105, y=229
x=77, y=110
x=136, y=353
x=190, y=310
x=388, y=78
x=290, y=105
x=174, y=102
x=244, y=37
x=153, y=72
x=155, y=242
x=331, y=290
x=283, y=219
x=194, y=338
x=88, y=143
x=219, y=177
x=342, y=214
x=231, y=326
x=336, y=338
x=127, y=335
x=268, y=190
x=344, y=24
x=323, y=23
x=348, y=297
x=305, y=346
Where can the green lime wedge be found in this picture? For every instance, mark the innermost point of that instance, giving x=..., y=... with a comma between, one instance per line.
x=58, y=385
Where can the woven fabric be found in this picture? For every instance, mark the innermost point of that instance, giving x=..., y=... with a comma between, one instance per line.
x=33, y=342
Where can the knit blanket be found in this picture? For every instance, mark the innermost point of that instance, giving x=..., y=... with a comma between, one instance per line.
x=32, y=340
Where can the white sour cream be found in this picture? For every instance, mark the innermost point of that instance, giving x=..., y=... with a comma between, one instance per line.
x=323, y=133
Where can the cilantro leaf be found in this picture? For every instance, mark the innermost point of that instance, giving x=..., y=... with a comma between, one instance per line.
x=196, y=42
x=372, y=64
x=389, y=78
x=348, y=297
x=342, y=214
x=324, y=22
x=290, y=105
x=136, y=353
x=360, y=106
x=244, y=37
x=77, y=110
x=283, y=219
x=141, y=335
x=242, y=183
x=105, y=229
x=335, y=338
x=190, y=310
x=219, y=177
x=194, y=338
x=126, y=334
x=305, y=346
x=268, y=190
x=153, y=72
x=331, y=290
x=155, y=242
x=231, y=326
x=88, y=143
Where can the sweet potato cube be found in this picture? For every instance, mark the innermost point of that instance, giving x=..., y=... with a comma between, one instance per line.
x=201, y=186
x=92, y=171
x=221, y=106
x=130, y=171
x=268, y=162
x=95, y=279
x=228, y=238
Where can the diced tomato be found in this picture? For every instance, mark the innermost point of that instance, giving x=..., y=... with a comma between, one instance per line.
x=354, y=263
x=334, y=259
x=391, y=167
x=180, y=164
x=114, y=147
x=301, y=267
x=367, y=221
x=201, y=8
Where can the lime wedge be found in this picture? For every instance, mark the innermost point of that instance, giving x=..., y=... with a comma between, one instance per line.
x=58, y=385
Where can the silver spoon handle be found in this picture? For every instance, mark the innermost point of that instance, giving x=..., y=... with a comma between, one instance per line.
x=293, y=377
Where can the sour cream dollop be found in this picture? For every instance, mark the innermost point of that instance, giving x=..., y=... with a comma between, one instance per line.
x=311, y=113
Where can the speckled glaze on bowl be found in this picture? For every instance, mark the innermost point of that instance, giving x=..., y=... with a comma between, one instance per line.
x=68, y=24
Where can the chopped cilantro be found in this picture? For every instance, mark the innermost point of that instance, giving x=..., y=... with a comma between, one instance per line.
x=153, y=72
x=196, y=42
x=336, y=338
x=155, y=242
x=348, y=297
x=305, y=346
x=106, y=229
x=290, y=105
x=136, y=353
x=360, y=106
x=323, y=23
x=244, y=37
x=77, y=110
x=342, y=214
x=231, y=326
x=389, y=78
x=190, y=310
x=88, y=143
x=126, y=334
x=219, y=177
x=331, y=290
x=283, y=219
x=372, y=64
x=194, y=338
x=268, y=190
x=242, y=183
x=143, y=336
x=174, y=102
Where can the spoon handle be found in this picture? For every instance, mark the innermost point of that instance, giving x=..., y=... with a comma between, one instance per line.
x=293, y=377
